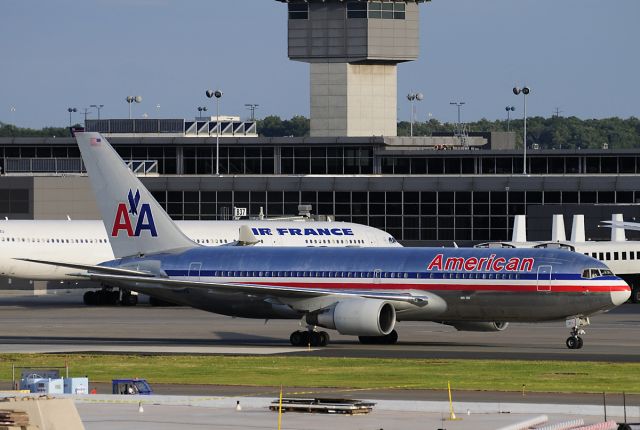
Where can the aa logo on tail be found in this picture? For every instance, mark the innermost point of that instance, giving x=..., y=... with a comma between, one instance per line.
x=141, y=217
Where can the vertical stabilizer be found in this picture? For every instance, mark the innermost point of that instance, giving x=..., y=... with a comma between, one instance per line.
x=136, y=224
x=617, y=233
x=577, y=229
x=557, y=229
x=519, y=229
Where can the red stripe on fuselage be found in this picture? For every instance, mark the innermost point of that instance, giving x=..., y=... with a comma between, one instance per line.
x=457, y=287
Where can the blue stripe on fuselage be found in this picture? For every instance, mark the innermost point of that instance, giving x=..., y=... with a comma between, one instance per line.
x=566, y=265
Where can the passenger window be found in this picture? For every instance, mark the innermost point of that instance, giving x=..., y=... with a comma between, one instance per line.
x=615, y=255
x=624, y=255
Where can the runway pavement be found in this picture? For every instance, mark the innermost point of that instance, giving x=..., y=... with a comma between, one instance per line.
x=60, y=323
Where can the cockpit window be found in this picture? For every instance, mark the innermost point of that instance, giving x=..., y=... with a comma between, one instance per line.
x=595, y=273
x=392, y=239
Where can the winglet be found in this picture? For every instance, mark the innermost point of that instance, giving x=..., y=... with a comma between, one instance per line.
x=136, y=224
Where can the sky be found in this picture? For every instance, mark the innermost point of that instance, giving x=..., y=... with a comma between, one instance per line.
x=578, y=56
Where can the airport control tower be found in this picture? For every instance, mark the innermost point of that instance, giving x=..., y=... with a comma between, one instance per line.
x=353, y=48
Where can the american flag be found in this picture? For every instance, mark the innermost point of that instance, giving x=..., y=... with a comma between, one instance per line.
x=95, y=141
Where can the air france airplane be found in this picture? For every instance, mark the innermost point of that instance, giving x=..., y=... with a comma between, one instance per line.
x=356, y=291
x=86, y=241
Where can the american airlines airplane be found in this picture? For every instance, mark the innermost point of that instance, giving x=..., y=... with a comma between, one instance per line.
x=356, y=291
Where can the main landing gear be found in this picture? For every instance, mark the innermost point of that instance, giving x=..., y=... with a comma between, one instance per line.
x=575, y=324
x=309, y=338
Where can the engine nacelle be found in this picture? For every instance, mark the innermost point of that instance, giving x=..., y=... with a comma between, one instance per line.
x=357, y=317
x=478, y=326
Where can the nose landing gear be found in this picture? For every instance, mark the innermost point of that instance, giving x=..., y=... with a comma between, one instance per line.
x=575, y=324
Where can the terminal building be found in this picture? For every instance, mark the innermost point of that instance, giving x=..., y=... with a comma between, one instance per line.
x=420, y=194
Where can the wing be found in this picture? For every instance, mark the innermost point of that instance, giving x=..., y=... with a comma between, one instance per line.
x=133, y=278
x=90, y=268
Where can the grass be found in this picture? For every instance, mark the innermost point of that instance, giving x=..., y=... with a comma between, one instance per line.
x=487, y=375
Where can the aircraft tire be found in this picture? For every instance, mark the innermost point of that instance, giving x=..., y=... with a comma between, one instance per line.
x=306, y=338
x=296, y=338
x=129, y=299
x=323, y=338
x=111, y=298
x=89, y=298
x=573, y=342
x=635, y=295
x=580, y=343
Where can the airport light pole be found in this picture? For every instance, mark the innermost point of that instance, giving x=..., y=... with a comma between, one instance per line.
x=509, y=109
x=71, y=110
x=200, y=110
x=524, y=91
x=132, y=99
x=252, y=107
x=412, y=97
x=217, y=94
x=98, y=107
x=459, y=126
x=86, y=112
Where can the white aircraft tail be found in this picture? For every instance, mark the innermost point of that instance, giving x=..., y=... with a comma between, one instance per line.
x=617, y=233
x=557, y=229
x=136, y=224
x=519, y=229
x=577, y=229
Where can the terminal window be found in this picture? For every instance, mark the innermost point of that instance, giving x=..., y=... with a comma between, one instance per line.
x=298, y=11
x=376, y=10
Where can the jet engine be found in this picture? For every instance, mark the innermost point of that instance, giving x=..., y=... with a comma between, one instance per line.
x=357, y=317
x=478, y=326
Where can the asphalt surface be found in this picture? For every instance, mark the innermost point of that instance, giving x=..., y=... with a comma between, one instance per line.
x=59, y=323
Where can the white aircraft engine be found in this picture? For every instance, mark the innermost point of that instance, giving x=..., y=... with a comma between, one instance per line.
x=357, y=317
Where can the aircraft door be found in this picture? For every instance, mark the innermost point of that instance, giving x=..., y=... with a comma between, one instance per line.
x=194, y=271
x=544, y=278
x=377, y=274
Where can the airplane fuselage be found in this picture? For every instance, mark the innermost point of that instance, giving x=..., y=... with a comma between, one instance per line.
x=466, y=284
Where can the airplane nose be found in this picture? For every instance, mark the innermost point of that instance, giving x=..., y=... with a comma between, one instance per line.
x=620, y=296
